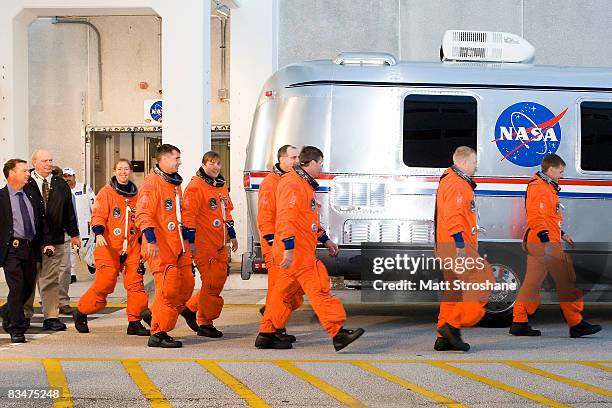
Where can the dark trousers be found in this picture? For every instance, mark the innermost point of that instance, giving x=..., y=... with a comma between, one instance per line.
x=20, y=273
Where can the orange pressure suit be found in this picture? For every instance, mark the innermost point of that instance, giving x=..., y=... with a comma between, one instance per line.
x=544, y=220
x=297, y=227
x=456, y=214
x=113, y=217
x=208, y=210
x=266, y=219
x=158, y=213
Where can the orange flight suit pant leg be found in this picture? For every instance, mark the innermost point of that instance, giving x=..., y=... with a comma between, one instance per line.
x=465, y=308
x=561, y=268
x=295, y=297
x=173, y=287
x=210, y=303
x=137, y=297
x=104, y=283
x=314, y=281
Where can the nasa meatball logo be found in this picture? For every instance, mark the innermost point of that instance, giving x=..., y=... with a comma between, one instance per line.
x=171, y=226
x=526, y=132
x=217, y=223
x=117, y=232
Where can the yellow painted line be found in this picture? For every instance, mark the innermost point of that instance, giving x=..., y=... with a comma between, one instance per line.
x=408, y=385
x=320, y=384
x=148, y=389
x=267, y=360
x=499, y=385
x=234, y=384
x=560, y=378
x=596, y=365
x=57, y=379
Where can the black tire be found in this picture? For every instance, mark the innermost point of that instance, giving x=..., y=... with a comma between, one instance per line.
x=507, y=267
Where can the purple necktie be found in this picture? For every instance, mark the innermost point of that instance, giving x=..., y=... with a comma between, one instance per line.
x=25, y=216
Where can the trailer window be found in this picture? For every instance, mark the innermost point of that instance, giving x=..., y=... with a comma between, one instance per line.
x=596, y=136
x=434, y=126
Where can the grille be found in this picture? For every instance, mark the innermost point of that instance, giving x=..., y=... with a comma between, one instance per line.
x=351, y=195
x=469, y=52
x=391, y=231
x=469, y=36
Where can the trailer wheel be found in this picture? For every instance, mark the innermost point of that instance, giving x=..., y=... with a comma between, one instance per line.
x=501, y=303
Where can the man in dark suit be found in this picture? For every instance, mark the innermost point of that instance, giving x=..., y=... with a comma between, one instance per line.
x=54, y=194
x=21, y=236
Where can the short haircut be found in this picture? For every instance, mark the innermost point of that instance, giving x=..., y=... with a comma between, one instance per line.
x=166, y=149
x=310, y=153
x=129, y=163
x=211, y=156
x=552, y=160
x=462, y=153
x=10, y=165
x=282, y=152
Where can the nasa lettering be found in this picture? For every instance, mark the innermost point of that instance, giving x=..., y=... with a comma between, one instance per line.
x=526, y=132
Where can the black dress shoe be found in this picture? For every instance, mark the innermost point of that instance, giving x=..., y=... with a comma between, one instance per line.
x=523, y=329
x=442, y=344
x=146, y=316
x=190, y=319
x=346, y=337
x=162, y=340
x=73, y=278
x=53, y=324
x=262, y=310
x=282, y=335
x=209, y=331
x=80, y=321
x=584, y=329
x=136, y=328
x=271, y=341
x=18, y=338
x=453, y=335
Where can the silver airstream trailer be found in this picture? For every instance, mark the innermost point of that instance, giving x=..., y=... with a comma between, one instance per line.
x=388, y=130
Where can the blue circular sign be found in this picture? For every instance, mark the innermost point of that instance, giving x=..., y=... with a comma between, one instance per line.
x=526, y=132
x=156, y=111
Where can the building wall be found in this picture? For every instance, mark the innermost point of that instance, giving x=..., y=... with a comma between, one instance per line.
x=63, y=72
x=564, y=32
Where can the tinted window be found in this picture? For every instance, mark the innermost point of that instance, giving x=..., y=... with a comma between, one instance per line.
x=434, y=126
x=596, y=136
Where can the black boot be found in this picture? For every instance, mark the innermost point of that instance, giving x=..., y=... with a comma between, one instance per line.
x=584, y=329
x=282, y=335
x=523, y=329
x=346, y=337
x=209, y=331
x=271, y=341
x=262, y=310
x=162, y=340
x=190, y=318
x=146, y=316
x=80, y=321
x=442, y=344
x=136, y=328
x=18, y=338
x=453, y=335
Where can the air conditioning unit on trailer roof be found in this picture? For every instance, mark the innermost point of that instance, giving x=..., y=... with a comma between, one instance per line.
x=489, y=46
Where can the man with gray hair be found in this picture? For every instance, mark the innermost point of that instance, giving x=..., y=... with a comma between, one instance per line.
x=55, y=197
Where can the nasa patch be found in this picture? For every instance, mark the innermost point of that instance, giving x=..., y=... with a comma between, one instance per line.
x=168, y=204
x=117, y=232
x=132, y=231
x=213, y=204
x=313, y=204
x=216, y=223
x=116, y=212
x=473, y=231
x=313, y=227
x=526, y=132
x=171, y=226
x=473, y=206
x=133, y=217
x=558, y=208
